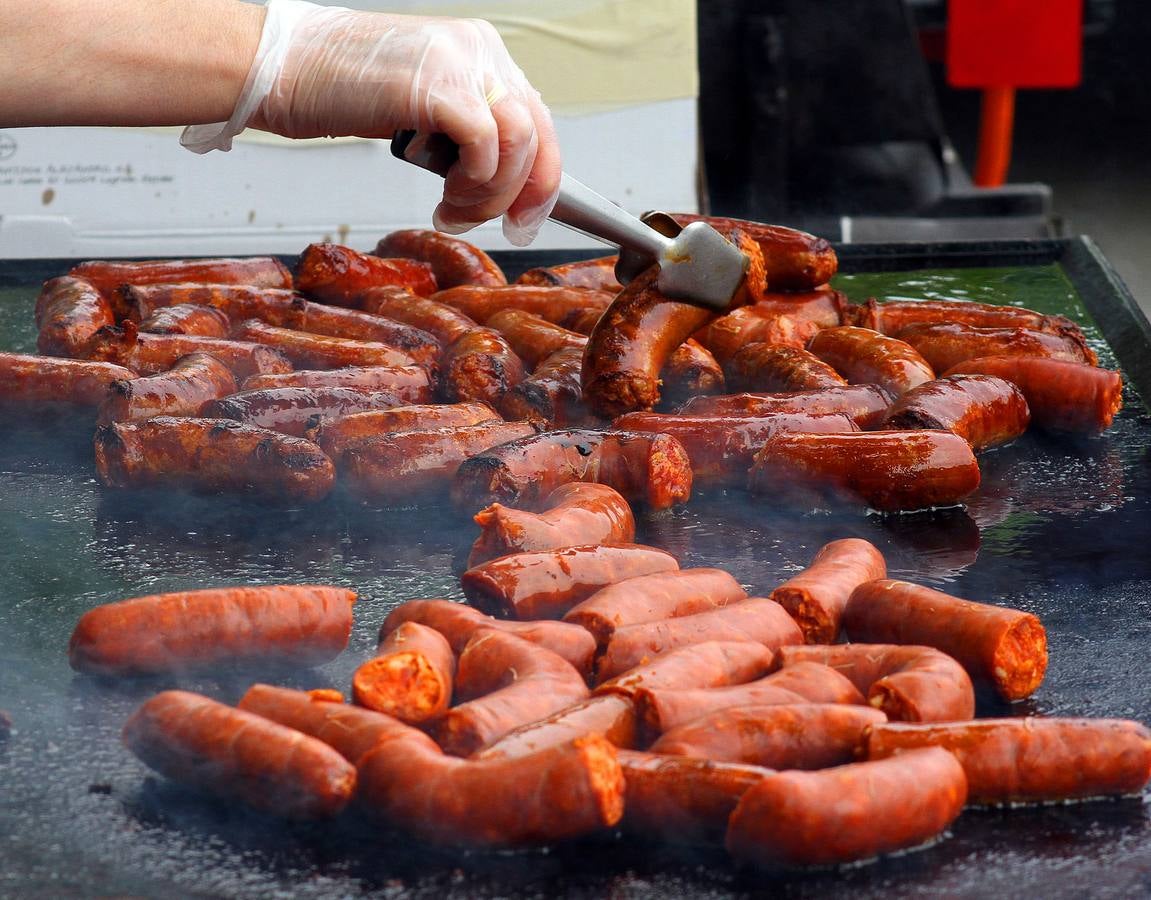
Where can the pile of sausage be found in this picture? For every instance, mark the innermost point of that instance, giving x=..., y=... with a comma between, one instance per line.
x=417, y=370
x=614, y=689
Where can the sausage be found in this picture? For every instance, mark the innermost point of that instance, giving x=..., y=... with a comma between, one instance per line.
x=650, y=598
x=583, y=321
x=1005, y=648
x=722, y=448
x=532, y=338
x=409, y=384
x=187, y=318
x=302, y=625
x=650, y=469
x=551, y=395
x=947, y=345
x=1062, y=396
x=69, y=312
x=453, y=260
x=195, y=380
x=793, y=260
x=691, y=370
x=319, y=351
x=848, y=813
x=868, y=357
x=558, y=793
x=1032, y=760
x=334, y=321
x=908, y=683
x=866, y=404
x=635, y=337
x=712, y=664
x=817, y=596
x=290, y=410
x=235, y=754
x=545, y=584
x=782, y=736
x=458, y=622
x=890, y=471
x=598, y=274
x=983, y=410
x=758, y=323
x=410, y=677
x=212, y=456
x=107, y=277
x=336, y=434
x=758, y=619
x=446, y=323
x=502, y=682
x=338, y=275
x=661, y=710
x=481, y=365
x=36, y=384
x=406, y=466
x=551, y=303
x=150, y=354
x=761, y=366
x=681, y=799
x=273, y=305
x=576, y=513
x=892, y=316
x=612, y=715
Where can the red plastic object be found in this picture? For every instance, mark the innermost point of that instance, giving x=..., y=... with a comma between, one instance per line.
x=996, y=124
x=1015, y=43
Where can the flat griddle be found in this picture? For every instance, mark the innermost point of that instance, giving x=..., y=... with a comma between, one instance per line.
x=1061, y=527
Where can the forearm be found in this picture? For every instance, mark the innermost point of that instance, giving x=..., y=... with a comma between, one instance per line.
x=124, y=62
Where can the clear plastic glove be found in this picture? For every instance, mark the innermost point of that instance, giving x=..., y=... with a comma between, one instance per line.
x=329, y=71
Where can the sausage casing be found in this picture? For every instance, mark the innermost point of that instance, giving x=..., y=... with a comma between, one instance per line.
x=551, y=303
x=320, y=351
x=866, y=404
x=453, y=260
x=409, y=384
x=947, y=345
x=338, y=275
x=187, y=318
x=868, y=357
x=336, y=434
x=598, y=274
x=195, y=380
x=69, y=312
x=292, y=410
x=983, y=410
x=761, y=366
x=482, y=366
x=35, y=384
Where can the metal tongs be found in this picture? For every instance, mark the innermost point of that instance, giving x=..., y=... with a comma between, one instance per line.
x=697, y=263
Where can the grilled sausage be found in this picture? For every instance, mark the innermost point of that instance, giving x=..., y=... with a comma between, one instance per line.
x=597, y=274
x=761, y=366
x=319, y=351
x=195, y=380
x=214, y=456
x=291, y=410
x=817, y=596
x=274, y=305
x=336, y=434
x=338, y=275
x=868, y=357
x=690, y=371
x=187, y=318
x=712, y=664
x=150, y=354
x=453, y=260
x=545, y=584
x=889, y=471
x=866, y=404
x=410, y=677
x=1062, y=396
x=69, y=312
x=334, y=321
x=235, y=754
x=409, y=384
x=946, y=346
x=892, y=316
x=612, y=715
x=532, y=338
x=758, y=323
x=445, y=322
x=551, y=303
x=1005, y=648
x=37, y=384
x=482, y=366
x=983, y=410
x=551, y=395
x=303, y=625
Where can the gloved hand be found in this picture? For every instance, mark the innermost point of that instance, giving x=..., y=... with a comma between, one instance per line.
x=329, y=71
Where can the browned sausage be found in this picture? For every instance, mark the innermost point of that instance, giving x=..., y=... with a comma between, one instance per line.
x=889, y=471
x=945, y=346
x=551, y=303
x=650, y=598
x=502, y=682
x=481, y=365
x=551, y=395
x=598, y=274
x=212, y=455
x=338, y=275
x=334, y=321
x=868, y=357
x=273, y=305
x=291, y=410
x=781, y=736
x=532, y=338
x=612, y=715
x=722, y=448
x=445, y=322
x=892, y=316
x=582, y=321
x=690, y=371
x=319, y=351
x=195, y=380
x=983, y=410
x=712, y=664
x=453, y=260
x=817, y=596
x=545, y=584
x=336, y=434
x=866, y=404
x=235, y=754
x=1006, y=648
x=1033, y=759
x=758, y=323
x=410, y=677
x=1062, y=396
x=303, y=625
x=150, y=354
x=69, y=312
x=458, y=622
x=37, y=384
x=576, y=513
x=761, y=366
x=405, y=466
x=650, y=469
x=409, y=384
x=757, y=619
x=908, y=683
x=848, y=813
x=187, y=318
